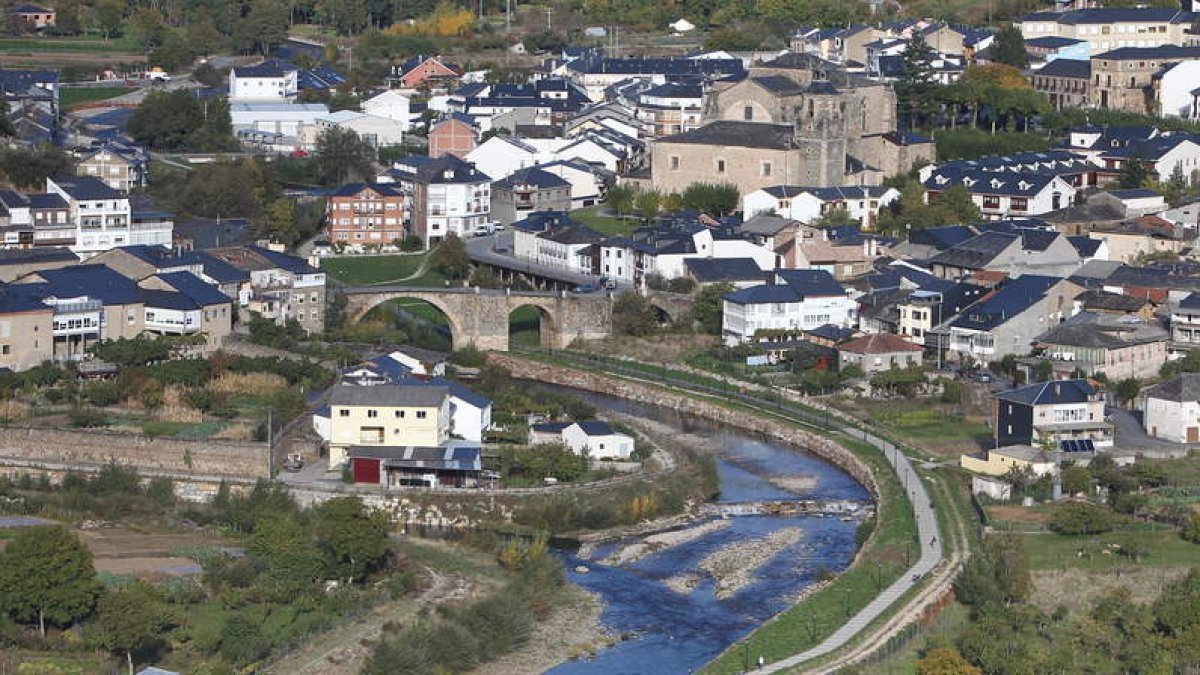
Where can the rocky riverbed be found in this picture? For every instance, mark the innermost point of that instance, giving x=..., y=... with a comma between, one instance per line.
x=663, y=540
x=732, y=567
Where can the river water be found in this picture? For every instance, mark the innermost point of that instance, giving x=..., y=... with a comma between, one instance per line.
x=676, y=633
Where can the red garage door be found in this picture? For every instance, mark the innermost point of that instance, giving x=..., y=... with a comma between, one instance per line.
x=365, y=470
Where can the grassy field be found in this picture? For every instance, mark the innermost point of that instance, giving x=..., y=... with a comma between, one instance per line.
x=879, y=563
x=604, y=224
x=523, y=326
x=1097, y=552
x=924, y=421
x=91, y=45
x=74, y=96
x=367, y=270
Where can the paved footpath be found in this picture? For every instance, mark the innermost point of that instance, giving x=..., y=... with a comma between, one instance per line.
x=931, y=554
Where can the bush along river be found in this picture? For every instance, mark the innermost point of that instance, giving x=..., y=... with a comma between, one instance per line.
x=681, y=597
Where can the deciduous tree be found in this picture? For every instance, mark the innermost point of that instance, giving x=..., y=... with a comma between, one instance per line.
x=46, y=576
x=353, y=539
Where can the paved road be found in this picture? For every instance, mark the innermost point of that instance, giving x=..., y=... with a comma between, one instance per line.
x=931, y=555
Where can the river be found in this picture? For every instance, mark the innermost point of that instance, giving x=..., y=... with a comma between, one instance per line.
x=670, y=632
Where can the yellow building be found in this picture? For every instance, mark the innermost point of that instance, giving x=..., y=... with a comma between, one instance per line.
x=387, y=416
x=1002, y=460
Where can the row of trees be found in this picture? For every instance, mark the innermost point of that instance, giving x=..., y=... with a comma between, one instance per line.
x=714, y=199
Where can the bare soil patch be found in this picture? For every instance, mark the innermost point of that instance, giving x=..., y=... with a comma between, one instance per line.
x=1017, y=514
x=1079, y=590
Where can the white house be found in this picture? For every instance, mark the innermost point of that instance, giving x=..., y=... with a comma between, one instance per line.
x=1171, y=410
x=501, y=156
x=102, y=217
x=799, y=300
x=597, y=440
x=378, y=131
x=806, y=204
x=587, y=187
x=562, y=246
x=391, y=104
x=1006, y=195
x=269, y=81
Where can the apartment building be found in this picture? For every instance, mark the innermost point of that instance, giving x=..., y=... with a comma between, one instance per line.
x=1066, y=82
x=1124, y=78
x=1108, y=28
x=450, y=196
x=282, y=287
x=120, y=167
x=361, y=214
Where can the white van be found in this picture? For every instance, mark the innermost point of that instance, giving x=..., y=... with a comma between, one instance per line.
x=482, y=230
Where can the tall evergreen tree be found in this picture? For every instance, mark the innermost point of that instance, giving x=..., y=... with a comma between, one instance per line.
x=1009, y=48
x=917, y=83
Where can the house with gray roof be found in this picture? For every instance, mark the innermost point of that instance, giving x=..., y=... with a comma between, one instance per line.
x=1117, y=347
x=527, y=190
x=1007, y=321
x=1171, y=410
x=1051, y=413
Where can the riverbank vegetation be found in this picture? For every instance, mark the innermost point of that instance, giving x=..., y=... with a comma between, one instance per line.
x=278, y=573
x=888, y=545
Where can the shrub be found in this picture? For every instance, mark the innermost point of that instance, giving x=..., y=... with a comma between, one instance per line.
x=1082, y=518
x=88, y=418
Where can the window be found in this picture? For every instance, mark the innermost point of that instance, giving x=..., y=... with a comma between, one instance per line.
x=674, y=162
x=1020, y=204
x=372, y=413
x=766, y=168
x=400, y=414
x=344, y=412
x=748, y=113
x=421, y=414
x=720, y=166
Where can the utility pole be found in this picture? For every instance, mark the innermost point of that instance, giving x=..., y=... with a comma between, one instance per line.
x=507, y=16
x=549, y=12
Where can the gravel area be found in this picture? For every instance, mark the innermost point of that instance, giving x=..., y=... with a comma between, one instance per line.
x=732, y=567
x=661, y=541
x=571, y=631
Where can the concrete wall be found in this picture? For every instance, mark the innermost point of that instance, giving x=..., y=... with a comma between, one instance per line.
x=91, y=449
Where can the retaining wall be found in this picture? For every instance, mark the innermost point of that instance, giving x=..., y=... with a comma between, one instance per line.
x=91, y=449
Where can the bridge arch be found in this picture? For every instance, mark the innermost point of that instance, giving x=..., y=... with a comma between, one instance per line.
x=359, y=311
x=548, y=331
x=481, y=316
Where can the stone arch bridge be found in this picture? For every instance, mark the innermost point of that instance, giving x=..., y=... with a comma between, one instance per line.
x=480, y=316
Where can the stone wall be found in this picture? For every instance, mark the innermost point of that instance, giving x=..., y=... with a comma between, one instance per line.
x=647, y=393
x=90, y=450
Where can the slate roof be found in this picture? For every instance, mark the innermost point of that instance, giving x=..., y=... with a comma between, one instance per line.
x=675, y=90
x=1044, y=393
x=36, y=255
x=29, y=9
x=534, y=176
x=880, y=343
x=450, y=169
x=709, y=270
x=1149, y=53
x=268, y=68
x=811, y=282
x=194, y=287
x=20, y=298
x=352, y=189
x=1101, y=15
x=1183, y=388
x=1093, y=336
x=86, y=188
x=47, y=201
x=1104, y=300
x=976, y=253
x=572, y=235
x=596, y=428
x=1192, y=301
x=778, y=85
x=97, y=281
x=1086, y=246
x=943, y=237
x=738, y=134
x=397, y=395
x=1013, y=298
x=1072, y=68
x=550, y=427
x=831, y=332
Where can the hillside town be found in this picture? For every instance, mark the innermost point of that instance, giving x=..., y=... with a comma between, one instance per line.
x=599, y=337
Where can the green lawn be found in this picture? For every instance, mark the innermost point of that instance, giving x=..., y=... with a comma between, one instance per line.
x=1056, y=552
x=73, y=96
x=367, y=270
x=604, y=224
x=523, y=326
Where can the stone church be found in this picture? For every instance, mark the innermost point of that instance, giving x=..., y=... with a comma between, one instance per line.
x=796, y=120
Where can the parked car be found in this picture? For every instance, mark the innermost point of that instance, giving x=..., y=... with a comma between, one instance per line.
x=482, y=230
x=586, y=288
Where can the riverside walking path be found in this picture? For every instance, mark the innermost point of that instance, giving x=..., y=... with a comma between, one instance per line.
x=932, y=552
